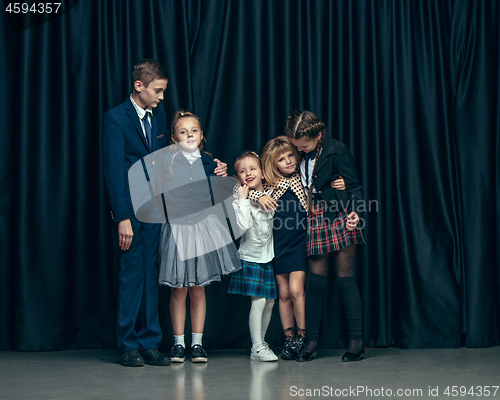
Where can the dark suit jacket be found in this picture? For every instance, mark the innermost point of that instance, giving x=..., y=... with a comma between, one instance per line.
x=123, y=143
x=334, y=160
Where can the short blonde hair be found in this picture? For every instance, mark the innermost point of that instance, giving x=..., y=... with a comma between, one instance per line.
x=270, y=153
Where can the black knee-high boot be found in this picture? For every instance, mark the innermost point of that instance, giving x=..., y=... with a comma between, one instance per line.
x=315, y=294
x=353, y=311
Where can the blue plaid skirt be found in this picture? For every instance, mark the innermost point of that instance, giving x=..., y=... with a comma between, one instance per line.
x=254, y=279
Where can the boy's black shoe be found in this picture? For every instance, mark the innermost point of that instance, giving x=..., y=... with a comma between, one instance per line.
x=198, y=354
x=177, y=354
x=132, y=359
x=154, y=357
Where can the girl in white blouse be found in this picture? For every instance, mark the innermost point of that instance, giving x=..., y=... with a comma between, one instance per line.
x=256, y=278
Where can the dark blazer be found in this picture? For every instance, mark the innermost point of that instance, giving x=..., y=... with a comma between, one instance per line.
x=335, y=160
x=123, y=143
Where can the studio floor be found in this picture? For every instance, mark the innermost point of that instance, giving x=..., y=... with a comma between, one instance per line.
x=229, y=374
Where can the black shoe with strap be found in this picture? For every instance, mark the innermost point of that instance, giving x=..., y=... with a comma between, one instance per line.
x=347, y=357
x=289, y=352
x=309, y=352
x=306, y=356
x=298, y=344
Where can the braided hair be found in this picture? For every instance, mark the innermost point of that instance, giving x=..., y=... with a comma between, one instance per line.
x=305, y=123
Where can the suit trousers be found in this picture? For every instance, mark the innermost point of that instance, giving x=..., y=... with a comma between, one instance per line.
x=138, y=326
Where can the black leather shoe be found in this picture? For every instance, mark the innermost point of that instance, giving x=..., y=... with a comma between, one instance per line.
x=177, y=354
x=306, y=356
x=289, y=352
x=353, y=356
x=132, y=359
x=198, y=354
x=299, y=345
x=154, y=357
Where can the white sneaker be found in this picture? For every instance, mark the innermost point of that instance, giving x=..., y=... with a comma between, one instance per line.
x=263, y=353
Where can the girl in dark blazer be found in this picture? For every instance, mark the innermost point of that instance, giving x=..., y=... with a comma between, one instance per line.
x=331, y=227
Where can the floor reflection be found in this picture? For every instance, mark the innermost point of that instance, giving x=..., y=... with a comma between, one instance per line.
x=189, y=386
x=262, y=379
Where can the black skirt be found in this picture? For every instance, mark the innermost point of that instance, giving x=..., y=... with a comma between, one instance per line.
x=290, y=235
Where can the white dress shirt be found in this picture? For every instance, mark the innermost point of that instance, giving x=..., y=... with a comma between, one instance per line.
x=193, y=156
x=310, y=170
x=257, y=243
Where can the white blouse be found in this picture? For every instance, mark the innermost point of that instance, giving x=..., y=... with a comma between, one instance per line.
x=310, y=170
x=257, y=243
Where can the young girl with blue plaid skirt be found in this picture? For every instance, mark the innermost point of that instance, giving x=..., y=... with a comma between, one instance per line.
x=332, y=229
x=256, y=251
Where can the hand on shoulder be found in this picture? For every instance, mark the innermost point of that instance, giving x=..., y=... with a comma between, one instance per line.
x=268, y=203
x=221, y=169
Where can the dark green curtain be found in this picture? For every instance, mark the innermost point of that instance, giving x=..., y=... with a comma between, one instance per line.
x=412, y=87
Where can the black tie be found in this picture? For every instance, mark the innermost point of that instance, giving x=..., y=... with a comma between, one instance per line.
x=147, y=128
x=308, y=157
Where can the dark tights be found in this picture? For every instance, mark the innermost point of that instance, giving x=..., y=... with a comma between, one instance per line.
x=315, y=293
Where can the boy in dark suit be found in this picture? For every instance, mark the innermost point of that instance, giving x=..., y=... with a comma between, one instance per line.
x=131, y=131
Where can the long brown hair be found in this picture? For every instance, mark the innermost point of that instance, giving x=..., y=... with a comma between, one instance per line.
x=270, y=153
x=306, y=124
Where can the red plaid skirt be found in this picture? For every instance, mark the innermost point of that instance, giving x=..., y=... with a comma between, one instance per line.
x=325, y=236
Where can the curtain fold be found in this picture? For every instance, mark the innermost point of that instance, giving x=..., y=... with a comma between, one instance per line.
x=475, y=65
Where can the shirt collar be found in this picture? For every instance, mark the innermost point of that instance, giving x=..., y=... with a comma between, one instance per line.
x=140, y=111
x=191, y=157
